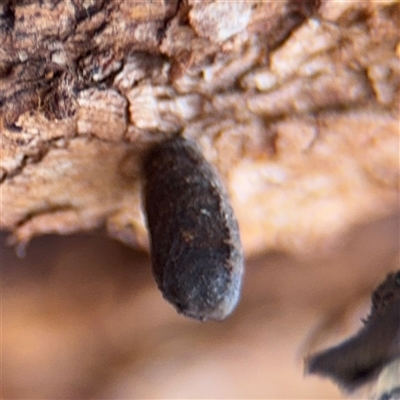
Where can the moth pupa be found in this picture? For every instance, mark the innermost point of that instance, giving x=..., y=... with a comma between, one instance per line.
x=196, y=252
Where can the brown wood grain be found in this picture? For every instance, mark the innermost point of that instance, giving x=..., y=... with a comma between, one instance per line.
x=296, y=104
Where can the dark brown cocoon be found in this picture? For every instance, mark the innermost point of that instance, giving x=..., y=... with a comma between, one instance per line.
x=196, y=251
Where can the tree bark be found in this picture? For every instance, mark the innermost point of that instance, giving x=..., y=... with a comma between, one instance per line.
x=295, y=103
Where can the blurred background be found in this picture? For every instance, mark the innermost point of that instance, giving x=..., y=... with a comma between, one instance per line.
x=82, y=318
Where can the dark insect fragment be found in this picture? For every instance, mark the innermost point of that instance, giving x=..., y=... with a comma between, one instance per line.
x=196, y=251
x=361, y=358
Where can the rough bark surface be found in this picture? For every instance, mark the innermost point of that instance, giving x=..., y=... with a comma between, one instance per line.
x=295, y=102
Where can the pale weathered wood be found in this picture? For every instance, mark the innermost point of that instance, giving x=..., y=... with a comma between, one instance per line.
x=295, y=102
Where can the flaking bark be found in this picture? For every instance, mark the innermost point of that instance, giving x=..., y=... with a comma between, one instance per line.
x=296, y=104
